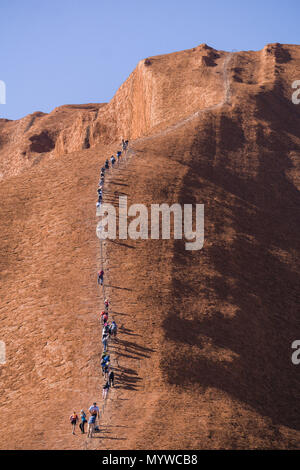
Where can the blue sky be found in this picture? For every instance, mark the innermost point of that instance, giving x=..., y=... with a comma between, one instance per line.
x=56, y=52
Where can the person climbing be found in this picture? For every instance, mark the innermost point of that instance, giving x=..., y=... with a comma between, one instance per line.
x=105, y=389
x=105, y=318
x=123, y=145
x=113, y=329
x=103, y=364
x=113, y=160
x=91, y=425
x=106, y=164
x=111, y=378
x=83, y=420
x=105, y=361
x=73, y=421
x=94, y=410
x=102, y=315
x=106, y=305
x=104, y=341
x=106, y=371
x=105, y=357
x=100, y=276
x=119, y=153
x=99, y=191
x=126, y=144
x=105, y=330
x=103, y=169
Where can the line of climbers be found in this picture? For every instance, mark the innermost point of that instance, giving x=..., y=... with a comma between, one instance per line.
x=106, y=167
x=109, y=330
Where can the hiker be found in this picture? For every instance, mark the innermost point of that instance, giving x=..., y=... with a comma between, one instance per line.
x=94, y=410
x=91, y=425
x=105, y=371
x=83, y=420
x=100, y=277
x=123, y=145
x=103, y=169
x=73, y=421
x=105, y=389
x=113, y=329
x=105, y=330
x=104, y=317
x=105, y=357
x=113, y=160
x=111, y=378
x=106, y=164
x=105, y=361
x=119, y=153
x=106, y=305
x=105, y=367
x=99, y=191
x=104, y=341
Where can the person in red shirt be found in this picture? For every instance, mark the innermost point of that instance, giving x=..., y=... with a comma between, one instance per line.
x=104, y=316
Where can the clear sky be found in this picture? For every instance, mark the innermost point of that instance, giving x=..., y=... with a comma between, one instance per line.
x=55, y=52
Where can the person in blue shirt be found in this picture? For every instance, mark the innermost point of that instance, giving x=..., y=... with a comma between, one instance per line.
x=83, y=420
x=91, y=425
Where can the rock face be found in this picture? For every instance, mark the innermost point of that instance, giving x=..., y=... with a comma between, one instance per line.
x=25, y=142
x=204, y=350
x=167, y=90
